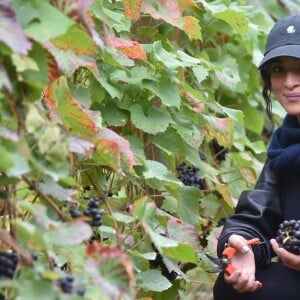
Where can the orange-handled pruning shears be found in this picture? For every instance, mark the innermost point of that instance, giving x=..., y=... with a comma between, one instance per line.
x=224, y=263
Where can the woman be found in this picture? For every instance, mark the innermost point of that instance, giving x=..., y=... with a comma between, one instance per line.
x=276, y=196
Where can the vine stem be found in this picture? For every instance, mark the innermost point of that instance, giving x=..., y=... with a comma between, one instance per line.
x=7, y=239
x=48, y=199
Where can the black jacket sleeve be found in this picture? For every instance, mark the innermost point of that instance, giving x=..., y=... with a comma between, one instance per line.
x=258, y=214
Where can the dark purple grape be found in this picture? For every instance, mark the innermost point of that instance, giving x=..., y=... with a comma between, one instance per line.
x=189, y=176
x=288, y=236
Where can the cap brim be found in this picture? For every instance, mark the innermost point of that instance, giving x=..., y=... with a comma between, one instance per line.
x=286, y=50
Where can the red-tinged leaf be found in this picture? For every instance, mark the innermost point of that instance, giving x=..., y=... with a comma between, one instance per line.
x=107, y=153
x=11, y=32
x=192, y=28
x=50, y=103
x=221, y=129
x=196, y=105
x=182, y=232
x=59, y=99
x=76, y=40
x=132, y=8
x=53, y=69
x=131, y=49
x=167, y=10
x=123, y=145
x=80, y=146
x=69, y=61
x=111, y=269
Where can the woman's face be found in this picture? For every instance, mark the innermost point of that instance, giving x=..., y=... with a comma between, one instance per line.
x=285, y=83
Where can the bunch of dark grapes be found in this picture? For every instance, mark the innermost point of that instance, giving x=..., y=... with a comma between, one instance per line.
x=288, y=236
x=92, y=211
x=8, y=264
x=66, y=284
x=188, y=175
x=158, y=262
x=219, y=151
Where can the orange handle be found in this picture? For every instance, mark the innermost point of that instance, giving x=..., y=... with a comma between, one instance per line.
x=230, y=252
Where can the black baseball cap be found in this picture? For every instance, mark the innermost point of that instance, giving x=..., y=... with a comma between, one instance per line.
x=283, y=39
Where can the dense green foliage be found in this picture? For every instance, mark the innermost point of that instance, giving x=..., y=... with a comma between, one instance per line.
x=106, y=108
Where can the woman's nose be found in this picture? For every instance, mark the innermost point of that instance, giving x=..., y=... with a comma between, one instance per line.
x=292, y=80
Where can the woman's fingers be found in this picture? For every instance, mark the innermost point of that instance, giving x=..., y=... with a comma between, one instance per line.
x=243, y=281
x=289, y=259
x=239, y=243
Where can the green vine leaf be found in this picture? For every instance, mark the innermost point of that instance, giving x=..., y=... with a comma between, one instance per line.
x=54, y=25
x=69, y=234
x=237, y=20
x=152, y=280
x=156, y=120
x=228, y=73
x=166, y=90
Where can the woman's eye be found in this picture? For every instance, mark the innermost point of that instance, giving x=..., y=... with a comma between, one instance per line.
x=276, y=69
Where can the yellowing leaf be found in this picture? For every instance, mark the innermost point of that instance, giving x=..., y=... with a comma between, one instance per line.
x=192, y=28
x=132, y=8
x=61, y=103
x=77, y=40
x=224, y=191
x=221, y=129
x=237, y=20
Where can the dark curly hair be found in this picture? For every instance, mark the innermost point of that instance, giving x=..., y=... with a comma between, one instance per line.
x=267, y=90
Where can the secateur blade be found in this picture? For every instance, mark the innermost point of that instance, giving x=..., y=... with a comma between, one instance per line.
x=222, y=263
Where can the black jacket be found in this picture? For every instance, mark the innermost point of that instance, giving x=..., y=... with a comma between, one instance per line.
x=260, y=211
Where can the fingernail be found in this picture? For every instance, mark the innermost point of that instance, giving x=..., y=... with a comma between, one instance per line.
x=238, y=273
x=272, y=241
x=258, y=284
x=245, y=249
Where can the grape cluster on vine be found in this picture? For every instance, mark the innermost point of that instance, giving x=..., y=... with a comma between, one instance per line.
x=188, y=175
x=8, y=264
x=158, y=262
x=288, y=236
x=92, y=211
x=66, y=284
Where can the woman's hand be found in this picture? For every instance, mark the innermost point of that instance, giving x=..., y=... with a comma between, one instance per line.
x=243, y=279
x=289, y=259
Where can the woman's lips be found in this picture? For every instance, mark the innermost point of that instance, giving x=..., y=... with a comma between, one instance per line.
x=292, y=96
